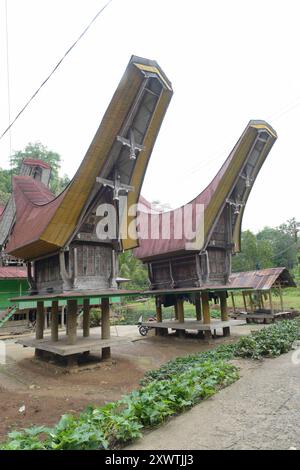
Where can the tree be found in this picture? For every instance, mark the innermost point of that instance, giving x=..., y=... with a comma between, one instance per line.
x=37, y=151
x=291, y=227
x=133, y=269
x=5, y=185
x=256, y=253
x=283, y=245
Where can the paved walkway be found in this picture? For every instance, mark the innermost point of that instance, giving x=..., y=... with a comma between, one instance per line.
x=259, y=411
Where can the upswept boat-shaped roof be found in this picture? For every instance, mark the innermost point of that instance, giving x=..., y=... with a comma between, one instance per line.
x=43, y=227
x=232, y=184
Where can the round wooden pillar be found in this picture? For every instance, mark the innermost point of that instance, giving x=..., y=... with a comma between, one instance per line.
x=40, y=320
x=54, y=321
x=105, y=326
x=86, y=318
x=206, y=312
x=223, y=306
x=198, y=307
x=205, y=307
x=224, y=312
x=158, y=331
x=72, y=321
x=180, y=315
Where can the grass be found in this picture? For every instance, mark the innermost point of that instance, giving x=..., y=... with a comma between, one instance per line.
x=291, y=299
x=174, y=387
x=129, y=314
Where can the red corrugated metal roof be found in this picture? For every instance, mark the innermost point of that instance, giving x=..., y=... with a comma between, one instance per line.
x=262, y=279
x=155, y=245
x=35, y=205
x=1, y=209
x=13, y=272
x=34, y=162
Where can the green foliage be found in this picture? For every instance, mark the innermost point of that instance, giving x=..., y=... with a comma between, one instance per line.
x=184, y=363
x=283, y=245
x=272, y=341
x=254, y=253
x=28, y=439
x=271, y=247
x=5, y=185
x=36, y=151
x=95, y=317
x=133, y=269
x=157, y=400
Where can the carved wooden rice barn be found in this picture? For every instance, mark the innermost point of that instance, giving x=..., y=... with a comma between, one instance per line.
x=58, y=237
x=198, y=260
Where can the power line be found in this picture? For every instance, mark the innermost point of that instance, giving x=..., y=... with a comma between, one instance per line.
x=7, y=72
x=55, y=68
x=285, y=249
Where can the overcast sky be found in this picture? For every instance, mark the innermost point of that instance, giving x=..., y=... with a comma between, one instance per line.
x=229, y=62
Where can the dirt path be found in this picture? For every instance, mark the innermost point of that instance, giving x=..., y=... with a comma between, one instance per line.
x=259, y=411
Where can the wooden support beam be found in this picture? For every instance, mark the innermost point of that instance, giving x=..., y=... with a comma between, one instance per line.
x=223, y=306
x=72, y=321
x=40, y=320
x=245, y=301
x=198, y=307
x=105, y=325
x=86, y=318
x=180, y=315
x=262, y=301
x=158, y=306
x=251, y=303
x=281, y=297
x=54, y=320
x=233, y=301
x=176, y=310
x=158, y=309
x=180, y=310
x=270, y=301
x=206, y=312
x=205, y=307
x=224, y=312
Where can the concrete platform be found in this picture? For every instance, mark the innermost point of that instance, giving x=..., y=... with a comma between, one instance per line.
x=194, y=324
x=62, y=348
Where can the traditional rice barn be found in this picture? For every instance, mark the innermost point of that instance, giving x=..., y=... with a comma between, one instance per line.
x=59, y=237
x=197, y=258
x=259, y=302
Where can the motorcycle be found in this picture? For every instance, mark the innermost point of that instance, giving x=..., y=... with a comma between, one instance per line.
x=143, y=329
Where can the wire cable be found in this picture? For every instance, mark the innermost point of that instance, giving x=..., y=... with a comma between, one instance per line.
x=55, y=68
x=8, y=73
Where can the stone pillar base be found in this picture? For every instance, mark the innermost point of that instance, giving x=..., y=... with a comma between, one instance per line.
x=106, y=354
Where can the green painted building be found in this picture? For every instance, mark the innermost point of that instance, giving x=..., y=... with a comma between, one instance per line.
x=13, y=282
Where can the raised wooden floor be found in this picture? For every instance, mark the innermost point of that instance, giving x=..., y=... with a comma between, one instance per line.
x=62, y=348
x=194, y=324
